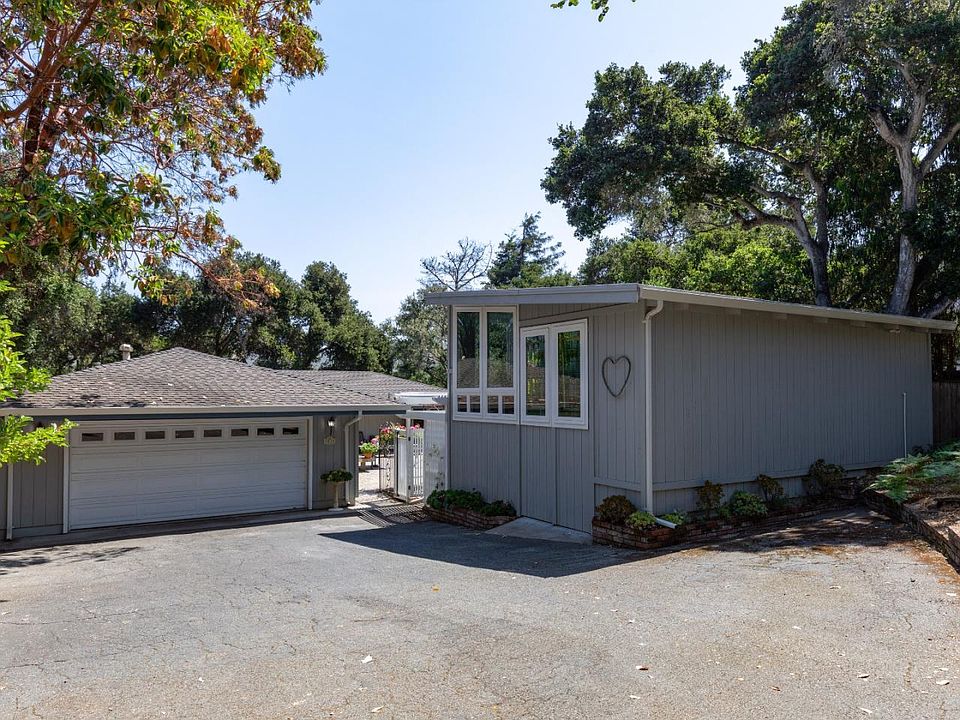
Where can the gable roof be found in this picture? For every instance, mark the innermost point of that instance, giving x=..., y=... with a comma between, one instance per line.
x=379, y=385
x=179, y=379
x=627, y=293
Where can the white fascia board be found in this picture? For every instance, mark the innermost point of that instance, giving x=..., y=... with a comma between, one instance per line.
x=649, y=292
x=624, y=293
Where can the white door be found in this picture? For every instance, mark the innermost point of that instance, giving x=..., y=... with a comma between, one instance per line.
x=138, y=472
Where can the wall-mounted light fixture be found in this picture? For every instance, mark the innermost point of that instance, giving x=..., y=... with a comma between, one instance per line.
x=331, y=424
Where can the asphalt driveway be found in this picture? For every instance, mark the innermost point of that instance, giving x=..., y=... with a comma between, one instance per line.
x=339, y=618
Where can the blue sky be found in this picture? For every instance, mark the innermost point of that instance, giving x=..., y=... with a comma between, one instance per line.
x=432, y=124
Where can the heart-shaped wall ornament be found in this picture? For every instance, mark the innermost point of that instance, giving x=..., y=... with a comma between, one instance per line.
x=616, y=372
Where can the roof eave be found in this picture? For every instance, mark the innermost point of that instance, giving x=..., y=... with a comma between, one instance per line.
x=67, y=411
x=620, y=294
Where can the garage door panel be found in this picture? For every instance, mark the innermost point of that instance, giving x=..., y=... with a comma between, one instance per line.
x=115, y=483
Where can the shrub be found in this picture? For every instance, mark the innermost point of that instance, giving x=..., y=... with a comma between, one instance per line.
x=340, y=475
x=640, y=520
x=368, y=448
x=770, y=488
x=710, y=498
x=615, y=510
x=676, y=517
x=823, y=479
x=747, y=505
x=914, y=475
x=469, y=500
x=498, y=507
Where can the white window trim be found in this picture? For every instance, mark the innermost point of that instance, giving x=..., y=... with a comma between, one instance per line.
x=483, y=391
x=551, y=376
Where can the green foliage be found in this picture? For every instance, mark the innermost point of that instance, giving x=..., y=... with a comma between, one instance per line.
x=615, y=509
x=339, y=475
x=469, y=500
x=823, y=480
x=124, y=124
x=640, y=520
x=770, y=488
x=418, y=336
x=528, y=258
x=20, y=441
x=677, y=517
x=910, y=477
x=710, y=498
x=368, y=448
x=603, y=6
x=743, y=504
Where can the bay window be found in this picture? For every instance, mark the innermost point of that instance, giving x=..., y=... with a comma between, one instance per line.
x=554, y=375
x=485, y=372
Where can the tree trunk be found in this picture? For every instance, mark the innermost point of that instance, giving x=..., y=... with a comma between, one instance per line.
x=899, y=302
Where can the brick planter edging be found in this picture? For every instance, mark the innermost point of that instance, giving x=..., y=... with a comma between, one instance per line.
x=945, y=540
x=467, y=518
x=657, y=537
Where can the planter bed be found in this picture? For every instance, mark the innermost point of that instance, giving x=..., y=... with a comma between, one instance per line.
x=700, y=530
x=467, y=518
x=935, y=527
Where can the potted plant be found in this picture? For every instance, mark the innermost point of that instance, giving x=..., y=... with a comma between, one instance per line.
x=337, y=477
x=368, y=449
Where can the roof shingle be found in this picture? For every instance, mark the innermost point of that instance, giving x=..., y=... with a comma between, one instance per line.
x=181, y=378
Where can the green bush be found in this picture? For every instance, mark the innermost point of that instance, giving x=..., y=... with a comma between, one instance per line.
x=640, y=520
x=823, y=479
x=710, y=498
x=676, y=517
x=909, y=477
x=747, y=505
x=615, y=510
x=340, y=475
x=368, y=448
x=469, y=500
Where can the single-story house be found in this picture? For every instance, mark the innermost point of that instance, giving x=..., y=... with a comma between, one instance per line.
x=560, y=397
x=181, y=434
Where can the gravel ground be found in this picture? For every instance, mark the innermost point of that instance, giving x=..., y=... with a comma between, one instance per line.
x=848, y=617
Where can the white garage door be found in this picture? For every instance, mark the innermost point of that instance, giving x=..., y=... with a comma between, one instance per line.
x=135, y=473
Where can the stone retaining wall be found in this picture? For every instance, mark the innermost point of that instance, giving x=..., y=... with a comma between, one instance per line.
x=945, y=539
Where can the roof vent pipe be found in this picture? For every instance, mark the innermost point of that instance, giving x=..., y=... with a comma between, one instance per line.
x=125, y=350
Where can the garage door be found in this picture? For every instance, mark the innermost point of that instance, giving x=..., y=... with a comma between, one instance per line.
x=122, y=474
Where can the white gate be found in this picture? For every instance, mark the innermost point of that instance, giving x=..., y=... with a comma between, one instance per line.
x=410, y=464
x=434, y=451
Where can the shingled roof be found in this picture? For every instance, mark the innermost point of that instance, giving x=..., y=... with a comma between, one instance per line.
x=180, y=378
x=383, y=387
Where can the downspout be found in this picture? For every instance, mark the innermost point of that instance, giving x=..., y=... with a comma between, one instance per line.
x=9, y=533
x=648, y=405
x=349, y=464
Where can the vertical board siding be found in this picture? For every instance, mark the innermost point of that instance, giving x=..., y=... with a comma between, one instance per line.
x=946, y=411
x=486, y=457
x=539, y=473
x=738, y=395
x=328, y=457
x=38, y=491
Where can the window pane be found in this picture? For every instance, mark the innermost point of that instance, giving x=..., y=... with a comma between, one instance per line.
x=461, y=403
x=568, y=374
x=474, y=403
x=239, y=432
x=183, y=434
x=212, y=433
x=125, y=435
x=155, y=434
x=91, y=437
x=535, y=350
x=291, y=431
x=468, y=349
x=263, y=431
x=493, y=404
x=499, y=349
x=508, y=404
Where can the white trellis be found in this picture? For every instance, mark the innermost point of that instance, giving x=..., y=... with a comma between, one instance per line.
x=420, y=461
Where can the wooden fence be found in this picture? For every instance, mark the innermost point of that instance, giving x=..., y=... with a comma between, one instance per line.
x=946, y=411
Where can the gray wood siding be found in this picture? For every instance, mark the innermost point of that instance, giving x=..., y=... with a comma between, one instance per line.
x=330, y=457
x=486, y=457
x=738, y=395
x=38, y=492
x=539, y=477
